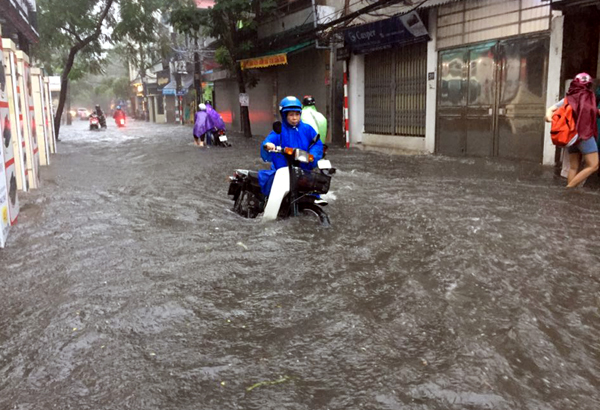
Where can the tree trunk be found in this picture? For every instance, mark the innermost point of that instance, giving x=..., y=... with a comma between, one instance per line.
x=244, y=112
x=64, y=85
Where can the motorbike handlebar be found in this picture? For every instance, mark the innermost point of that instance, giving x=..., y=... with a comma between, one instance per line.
x=277, y=150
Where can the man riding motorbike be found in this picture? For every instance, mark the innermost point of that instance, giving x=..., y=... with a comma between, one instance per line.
x=119, y=115
x=101, y=117
x=294, y=134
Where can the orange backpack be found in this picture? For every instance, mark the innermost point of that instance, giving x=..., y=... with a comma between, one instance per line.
x=563, y=131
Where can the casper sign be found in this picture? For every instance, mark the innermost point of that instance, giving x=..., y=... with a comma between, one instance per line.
x=386, y=33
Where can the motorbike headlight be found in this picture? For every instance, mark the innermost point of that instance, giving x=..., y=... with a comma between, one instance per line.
x=302, y=156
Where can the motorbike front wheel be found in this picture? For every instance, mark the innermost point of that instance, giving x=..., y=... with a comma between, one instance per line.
x=316, y=212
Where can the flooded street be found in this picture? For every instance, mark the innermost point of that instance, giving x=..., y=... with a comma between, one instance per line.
x=442, y=284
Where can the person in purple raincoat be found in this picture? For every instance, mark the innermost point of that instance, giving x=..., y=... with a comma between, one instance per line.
x=202, y=125
x=216, y=118
x=217, y=122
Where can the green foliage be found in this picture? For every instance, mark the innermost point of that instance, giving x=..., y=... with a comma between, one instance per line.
x=61, y=25
x=190, y=20
x=232, y=23
x=141, y=36
x=121, y=88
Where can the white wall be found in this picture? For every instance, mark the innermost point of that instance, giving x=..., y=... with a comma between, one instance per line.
x=431, y=103
x=553, y=93
x=356, y=98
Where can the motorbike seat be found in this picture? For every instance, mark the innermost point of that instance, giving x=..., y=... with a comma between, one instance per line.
x=253, y=174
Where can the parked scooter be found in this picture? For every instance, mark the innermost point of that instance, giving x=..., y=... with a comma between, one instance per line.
x=294, y=191
x=94, y=122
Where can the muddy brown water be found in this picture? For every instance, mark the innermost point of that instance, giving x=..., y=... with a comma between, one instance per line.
x=442, y=284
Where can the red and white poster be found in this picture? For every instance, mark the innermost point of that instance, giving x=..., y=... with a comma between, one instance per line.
x=49, y=115
x=5, y=157
x=10, y=139
x=29, y=128
x=37, y=90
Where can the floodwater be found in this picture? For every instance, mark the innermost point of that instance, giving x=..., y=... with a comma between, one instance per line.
x=442, y=284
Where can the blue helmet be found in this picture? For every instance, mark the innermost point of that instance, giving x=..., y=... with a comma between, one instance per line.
x=290, y=103
x=118, y=107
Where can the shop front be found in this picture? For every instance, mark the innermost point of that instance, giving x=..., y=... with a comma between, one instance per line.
x=496, y=75
x=388, y=66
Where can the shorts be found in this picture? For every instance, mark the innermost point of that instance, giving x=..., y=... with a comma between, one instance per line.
x=588, y=146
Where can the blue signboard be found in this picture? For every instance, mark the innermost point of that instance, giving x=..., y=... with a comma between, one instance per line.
x=382, y=34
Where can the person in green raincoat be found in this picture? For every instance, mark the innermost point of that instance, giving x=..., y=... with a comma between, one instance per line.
x=314, y=118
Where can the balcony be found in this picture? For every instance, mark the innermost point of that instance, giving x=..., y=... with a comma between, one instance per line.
x=19, y=21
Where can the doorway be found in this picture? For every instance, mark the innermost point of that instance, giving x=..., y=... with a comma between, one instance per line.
x=491, y=99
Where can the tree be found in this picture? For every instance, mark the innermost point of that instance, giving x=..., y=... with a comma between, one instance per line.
x=69, y=28
x=142, y=38
x=233, y=23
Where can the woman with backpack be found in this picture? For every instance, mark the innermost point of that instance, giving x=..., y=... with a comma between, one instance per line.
x=582, y=99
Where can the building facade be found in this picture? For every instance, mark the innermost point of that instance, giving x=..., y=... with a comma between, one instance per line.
x=476, y=85
x=286, y=68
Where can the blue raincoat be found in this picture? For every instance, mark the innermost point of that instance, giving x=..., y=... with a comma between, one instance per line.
x=301, y=137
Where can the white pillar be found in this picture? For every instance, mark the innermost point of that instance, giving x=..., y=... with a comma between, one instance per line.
x=356, y=98
x=431, y=103
x=554, y=66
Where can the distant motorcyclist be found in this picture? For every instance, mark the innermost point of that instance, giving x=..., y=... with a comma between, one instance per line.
x=100, y=114
x=314, y=118
x=294, y=134
x=119, y=115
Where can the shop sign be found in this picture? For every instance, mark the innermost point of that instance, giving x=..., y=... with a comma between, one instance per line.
x=382, y=34
x=265, y=61
x=342, y=53
x=162, y=79
x=54, y=82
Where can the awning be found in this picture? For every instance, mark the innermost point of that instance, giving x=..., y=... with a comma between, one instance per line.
x=273, y=58
x=186, y=82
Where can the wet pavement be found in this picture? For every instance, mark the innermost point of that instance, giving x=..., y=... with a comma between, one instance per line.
x=442, y=284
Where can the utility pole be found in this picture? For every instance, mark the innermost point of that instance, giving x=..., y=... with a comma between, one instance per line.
x=197, y=73
x=177, y=92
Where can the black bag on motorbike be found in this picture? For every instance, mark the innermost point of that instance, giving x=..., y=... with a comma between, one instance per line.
x=314, y=181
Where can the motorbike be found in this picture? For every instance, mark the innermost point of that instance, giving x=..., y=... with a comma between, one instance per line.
x=220, y=139
x=120, y=121
x=294, y=192
x=94, y=122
